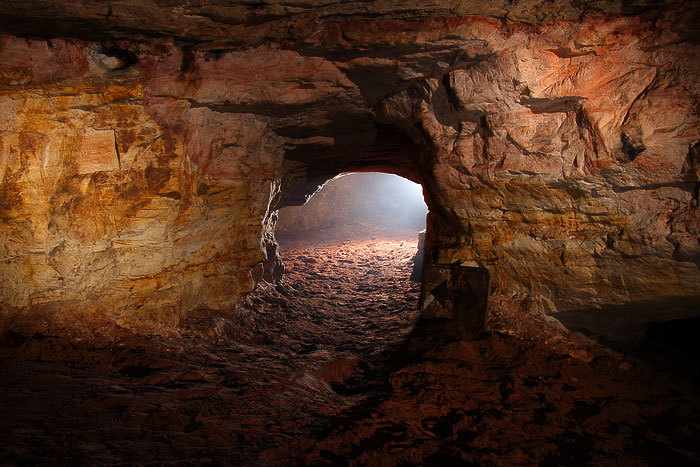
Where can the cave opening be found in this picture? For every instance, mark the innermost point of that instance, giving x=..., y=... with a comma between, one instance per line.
x=354, y=205
x=352, y=258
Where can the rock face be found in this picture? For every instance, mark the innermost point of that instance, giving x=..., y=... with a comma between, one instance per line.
x=144, y=154
x=110, y=196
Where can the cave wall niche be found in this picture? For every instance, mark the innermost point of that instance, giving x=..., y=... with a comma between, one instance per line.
x=139, y=176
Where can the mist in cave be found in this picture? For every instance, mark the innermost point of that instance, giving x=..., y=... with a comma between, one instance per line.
x=357, y=204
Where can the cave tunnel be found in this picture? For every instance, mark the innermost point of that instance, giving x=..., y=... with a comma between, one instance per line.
x=175, y=288
x=352, y=271
x=354, y=207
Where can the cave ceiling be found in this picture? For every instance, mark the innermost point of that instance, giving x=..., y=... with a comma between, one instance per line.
x=225, y=23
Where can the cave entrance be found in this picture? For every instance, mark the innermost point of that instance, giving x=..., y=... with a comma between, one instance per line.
x=349, y=255
x=357, y=205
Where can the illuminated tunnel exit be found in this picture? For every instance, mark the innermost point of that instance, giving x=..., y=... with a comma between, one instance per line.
x=347, y=291
x=358, y=205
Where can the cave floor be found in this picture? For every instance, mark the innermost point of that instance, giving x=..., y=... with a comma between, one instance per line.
x=332, y=367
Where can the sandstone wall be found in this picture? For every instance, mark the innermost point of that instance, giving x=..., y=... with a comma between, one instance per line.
x=111, y=199
x=139, y=175
x=564, y=158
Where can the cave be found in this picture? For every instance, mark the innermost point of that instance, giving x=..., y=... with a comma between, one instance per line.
x=179, y=284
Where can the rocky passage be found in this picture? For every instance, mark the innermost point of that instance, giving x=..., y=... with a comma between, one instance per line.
x=329, y=367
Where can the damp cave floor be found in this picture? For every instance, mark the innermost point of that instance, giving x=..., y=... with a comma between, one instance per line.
x=332, y=367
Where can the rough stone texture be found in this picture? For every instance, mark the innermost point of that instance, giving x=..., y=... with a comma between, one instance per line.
x=244, y=22
x=418, y=259
x=100, y=201
x=572, y=183
x=557, y=160
x=560, y=155
x=456, y=294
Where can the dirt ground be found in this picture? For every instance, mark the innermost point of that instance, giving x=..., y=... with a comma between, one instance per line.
x=333, y=367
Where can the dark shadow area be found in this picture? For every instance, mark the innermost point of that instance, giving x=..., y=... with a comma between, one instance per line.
x=662, y=332
x=458, y=294
x=493, y=396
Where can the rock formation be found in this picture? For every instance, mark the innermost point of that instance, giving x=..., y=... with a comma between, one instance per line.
x=145, y=147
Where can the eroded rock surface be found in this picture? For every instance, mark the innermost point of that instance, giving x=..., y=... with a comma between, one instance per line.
x=141, y=163
x=110, y=195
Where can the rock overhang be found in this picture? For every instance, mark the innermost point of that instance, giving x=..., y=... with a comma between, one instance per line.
x=240, y=23
x=538, y=138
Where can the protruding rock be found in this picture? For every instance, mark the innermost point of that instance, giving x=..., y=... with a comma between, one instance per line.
x=455, y=294
x=419, y=259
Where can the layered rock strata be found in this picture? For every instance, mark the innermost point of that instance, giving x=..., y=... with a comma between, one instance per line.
x=140, y=173
x=111, y=199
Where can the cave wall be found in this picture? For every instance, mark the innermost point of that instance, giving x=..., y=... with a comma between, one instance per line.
x=114, y=196
x=565, y=161
x=140, y=170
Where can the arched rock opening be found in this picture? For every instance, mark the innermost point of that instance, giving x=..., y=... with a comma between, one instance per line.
x=307, y=170
x=370, y=201
x=139, y=177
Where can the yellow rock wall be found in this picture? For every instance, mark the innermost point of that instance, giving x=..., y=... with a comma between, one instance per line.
x=100, y=206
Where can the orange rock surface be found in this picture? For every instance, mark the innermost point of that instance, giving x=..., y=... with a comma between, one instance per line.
x=140, y=174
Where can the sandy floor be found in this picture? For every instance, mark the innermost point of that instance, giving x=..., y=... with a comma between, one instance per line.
x=330, y=368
